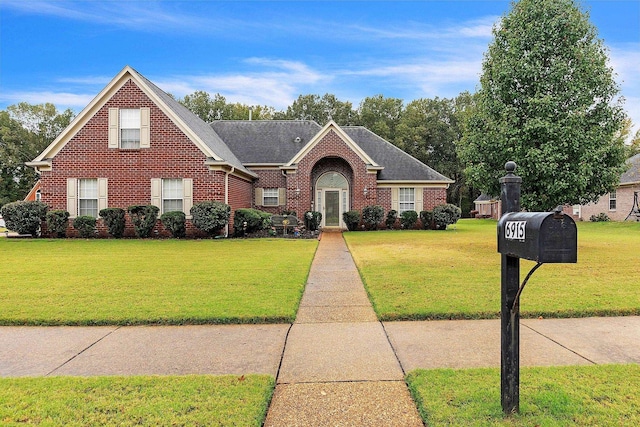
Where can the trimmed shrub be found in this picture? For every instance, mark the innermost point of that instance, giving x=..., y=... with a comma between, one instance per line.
x=312, y=220
x=372, y=216
x=446, y=214
x=601, y=217
x=256, y=220
x=57, y=222
x=352, y=219
x=86, y=226
x=24, y=217
x=408, y=219
x=426, y=217
x=392, y=216
x=175, y=222
x=144, y=218
x=210, y=216
x=114, y=219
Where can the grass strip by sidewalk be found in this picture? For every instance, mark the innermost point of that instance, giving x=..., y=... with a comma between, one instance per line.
x=134, y=282
x=605, y=395
x=129, y=401
x=455, y=274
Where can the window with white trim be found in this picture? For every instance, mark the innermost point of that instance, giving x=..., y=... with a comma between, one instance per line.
x=129, y=128
x=406, y=199
x=88, y=197
x=270, y=197
x=613, y=200
x=172, y=195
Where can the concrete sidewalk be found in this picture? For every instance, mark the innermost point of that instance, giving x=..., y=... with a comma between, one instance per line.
x=336, y=365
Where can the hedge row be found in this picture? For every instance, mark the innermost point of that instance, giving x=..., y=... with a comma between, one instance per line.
x=371, y=218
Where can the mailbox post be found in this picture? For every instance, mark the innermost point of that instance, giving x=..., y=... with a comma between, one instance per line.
x=543, y=237
x=509, y=284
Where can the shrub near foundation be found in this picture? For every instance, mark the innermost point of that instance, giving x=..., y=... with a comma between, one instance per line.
x=24, y=217
x=352, y=219
x=57, y=222
x=372, y=216
x=86, y=226
x=114, y=219
x=144, y=218
x=175, y=222
x=210, y=216
x=408, y=219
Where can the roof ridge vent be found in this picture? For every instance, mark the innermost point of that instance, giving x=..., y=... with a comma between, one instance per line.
x=297, y=139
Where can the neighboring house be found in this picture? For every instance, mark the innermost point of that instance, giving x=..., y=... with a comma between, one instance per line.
x=619, y=203
x=134, y=144
x=487, y=207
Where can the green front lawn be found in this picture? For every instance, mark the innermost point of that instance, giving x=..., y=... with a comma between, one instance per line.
x=456, y=273
x=605, y=395
x=129, y=401
x=100, y=282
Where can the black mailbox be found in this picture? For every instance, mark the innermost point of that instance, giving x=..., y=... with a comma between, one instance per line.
x=544, y=237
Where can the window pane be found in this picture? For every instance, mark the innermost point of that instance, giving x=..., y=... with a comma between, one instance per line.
x=172, y=189
x=130, y=138
x=406, y=200
x=88, y=207
x=270, y=197
x=129, y=119
x=171, y=205
x=88, y=189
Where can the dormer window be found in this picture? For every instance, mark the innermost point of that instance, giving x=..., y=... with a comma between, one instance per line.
x=130, y=128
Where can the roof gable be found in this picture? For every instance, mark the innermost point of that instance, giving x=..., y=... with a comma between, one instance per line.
x=332, y=126
x=632, y=174
x=191, y=125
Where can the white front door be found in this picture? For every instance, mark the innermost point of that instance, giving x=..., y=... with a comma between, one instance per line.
x=332, y=191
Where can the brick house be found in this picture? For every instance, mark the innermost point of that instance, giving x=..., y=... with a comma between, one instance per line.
x=134, y=144
x=619, y=203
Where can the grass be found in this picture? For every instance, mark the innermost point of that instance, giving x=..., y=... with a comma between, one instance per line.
x=455, y=274
x=130, y=282
x=129, y=401
x=605, y=395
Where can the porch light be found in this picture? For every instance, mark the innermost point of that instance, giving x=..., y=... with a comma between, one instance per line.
x=366, y=191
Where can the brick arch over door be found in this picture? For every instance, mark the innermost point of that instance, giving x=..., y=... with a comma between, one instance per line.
x=337, y=189
x=331, y=164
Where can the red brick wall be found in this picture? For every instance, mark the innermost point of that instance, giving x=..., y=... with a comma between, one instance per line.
x=432, y=197
x=129, y=172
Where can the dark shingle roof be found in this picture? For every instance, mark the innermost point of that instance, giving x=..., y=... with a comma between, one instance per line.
x=266, y=141
x=632, y=175
x=198, y=126
x=398, y=165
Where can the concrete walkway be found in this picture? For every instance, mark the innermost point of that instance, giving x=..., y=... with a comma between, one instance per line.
x=336, y=365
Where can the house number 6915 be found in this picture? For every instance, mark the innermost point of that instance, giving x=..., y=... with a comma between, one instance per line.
x=515, y=230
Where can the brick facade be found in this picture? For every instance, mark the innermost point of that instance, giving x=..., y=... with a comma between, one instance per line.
x=624, y=204
x=129, y=172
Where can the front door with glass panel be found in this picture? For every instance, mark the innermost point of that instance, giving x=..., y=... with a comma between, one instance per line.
x=332, y=208
x=332, y=200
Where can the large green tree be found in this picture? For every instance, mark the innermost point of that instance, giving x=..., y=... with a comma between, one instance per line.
x=548, y=100
x=217, y=108
x=25, y=130
x=381, y=115
x=320, y=109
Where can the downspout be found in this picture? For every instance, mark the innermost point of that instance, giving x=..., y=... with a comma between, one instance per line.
x=226, y=194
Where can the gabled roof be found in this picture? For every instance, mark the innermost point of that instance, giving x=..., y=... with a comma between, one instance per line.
x=398, y=165
x=333, y=127
x=266, y=141
x=632, y=175
x=195, y=128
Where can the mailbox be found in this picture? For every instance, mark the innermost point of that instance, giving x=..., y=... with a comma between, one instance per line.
x=544, y=237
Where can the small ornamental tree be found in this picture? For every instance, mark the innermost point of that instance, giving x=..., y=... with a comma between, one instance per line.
x=254, y=219
x=408, y=219
x=352, y=219
x=57, y=222
x=144, y=218
x=210, y=216
x=86, y=226
x=372, y=216
x=24, y=217
x=444, y=215
x=114, y=219
x=175, y=222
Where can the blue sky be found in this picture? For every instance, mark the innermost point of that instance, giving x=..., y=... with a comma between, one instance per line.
x=268, y=52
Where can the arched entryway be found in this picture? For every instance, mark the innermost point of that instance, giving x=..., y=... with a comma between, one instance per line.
x=332, y=198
